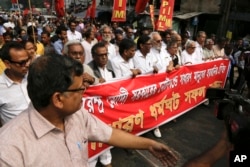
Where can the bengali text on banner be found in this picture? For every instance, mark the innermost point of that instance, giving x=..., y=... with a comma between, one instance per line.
x=139, y=104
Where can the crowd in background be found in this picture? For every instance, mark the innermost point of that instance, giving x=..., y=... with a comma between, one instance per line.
x=107, y=51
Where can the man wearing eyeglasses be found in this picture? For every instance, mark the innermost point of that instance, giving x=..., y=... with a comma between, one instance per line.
x=188, y=54
x=75, y=50
x=159, y=52
x=103, y=70
x=161, y=59
x=55, y=129
x=143, y=59
x=130, y=33
x=100, y=64
x=13, y=94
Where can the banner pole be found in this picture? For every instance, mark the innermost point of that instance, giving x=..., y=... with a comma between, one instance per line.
x=19, y=10
x=152, y=14
x=31, y=16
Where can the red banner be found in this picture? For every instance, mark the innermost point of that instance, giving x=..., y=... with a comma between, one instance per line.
x=139, y=104
x=165, y=15
x=140, y=6
x=119, y=11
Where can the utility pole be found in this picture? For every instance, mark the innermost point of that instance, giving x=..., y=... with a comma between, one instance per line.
x=225, y=7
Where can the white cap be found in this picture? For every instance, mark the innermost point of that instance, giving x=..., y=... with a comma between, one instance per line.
x=31, y=24
x=8, y=25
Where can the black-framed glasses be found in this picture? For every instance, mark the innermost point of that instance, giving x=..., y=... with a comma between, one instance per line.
x=158, y=41
x=21, y=63
x=102, y=55
x=75, y=54
x=76, y=90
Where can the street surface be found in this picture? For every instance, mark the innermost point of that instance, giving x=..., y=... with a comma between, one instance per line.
x=192, y=133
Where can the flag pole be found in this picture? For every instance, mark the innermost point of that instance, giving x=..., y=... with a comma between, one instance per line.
x=152, y=19
x=65, y=12
x=52, y=6
x=31, y=16
x=19, y=10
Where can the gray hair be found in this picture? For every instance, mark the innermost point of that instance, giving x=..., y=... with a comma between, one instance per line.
x=104, y=27
x=70, y=43
x=189, y=43
x=152, y=34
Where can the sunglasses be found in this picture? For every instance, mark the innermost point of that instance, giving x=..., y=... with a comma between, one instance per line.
x=158, y=41
x=20, y=63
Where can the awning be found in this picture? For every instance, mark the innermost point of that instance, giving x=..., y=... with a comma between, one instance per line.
x=184, y=16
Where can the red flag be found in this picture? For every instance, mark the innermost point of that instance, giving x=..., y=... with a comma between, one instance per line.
x=93, y=8
x=25, y=11
x=59, y=7
x=88, y=12
x=140, y=6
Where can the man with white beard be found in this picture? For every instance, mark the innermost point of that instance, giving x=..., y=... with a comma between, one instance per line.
x=159, y=51
x=106, y=33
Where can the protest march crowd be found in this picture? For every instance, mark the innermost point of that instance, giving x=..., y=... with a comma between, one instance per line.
x=38, y=72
